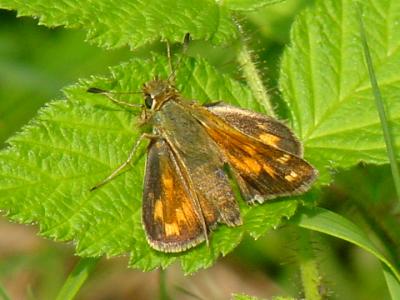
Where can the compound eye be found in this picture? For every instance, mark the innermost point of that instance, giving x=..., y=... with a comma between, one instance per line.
x=148, y=101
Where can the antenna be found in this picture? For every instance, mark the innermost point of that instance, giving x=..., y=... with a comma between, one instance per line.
x=109, y=95
x=169, y=58
x=185, y=46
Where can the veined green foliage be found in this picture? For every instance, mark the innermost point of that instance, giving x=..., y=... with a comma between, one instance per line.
x=49, y=167
x=135, y=23
x=74, y=143
x=325, y=81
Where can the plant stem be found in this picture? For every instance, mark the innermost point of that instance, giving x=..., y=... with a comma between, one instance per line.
x=163, y=285
x=253, y=79
x=310, y=277
x=77, y=278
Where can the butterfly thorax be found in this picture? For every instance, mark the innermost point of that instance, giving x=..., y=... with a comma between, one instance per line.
x=157, y=92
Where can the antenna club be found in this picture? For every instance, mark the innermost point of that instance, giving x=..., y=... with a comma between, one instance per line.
x=95, y=90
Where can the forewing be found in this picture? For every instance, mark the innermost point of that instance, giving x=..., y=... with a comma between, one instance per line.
x=170, y=219
x=263, y=171
x=265, y=129
x=201, y=162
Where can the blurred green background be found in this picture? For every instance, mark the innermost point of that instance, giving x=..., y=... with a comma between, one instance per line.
x=37, y=62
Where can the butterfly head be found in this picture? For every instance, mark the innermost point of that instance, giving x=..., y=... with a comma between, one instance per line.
x=157, y=92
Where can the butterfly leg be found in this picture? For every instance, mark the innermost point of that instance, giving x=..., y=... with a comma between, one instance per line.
x=116, y=172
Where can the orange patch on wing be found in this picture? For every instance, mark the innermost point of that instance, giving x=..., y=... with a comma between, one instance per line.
x=283, y=159
x=252, y=164
x=180, y=216
x=291, y=177
x=171, y=229
x=245, y=163
x=269, y=139
x=158, y=210
x=250, y=150
x=168, y=182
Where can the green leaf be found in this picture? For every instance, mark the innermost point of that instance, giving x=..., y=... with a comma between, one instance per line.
x=43, y=71
x=248, y=5
x=46, y=173
x=118, y=23
x=77, y=278
x=328, y=222
x=392, y=283
x=325, y=81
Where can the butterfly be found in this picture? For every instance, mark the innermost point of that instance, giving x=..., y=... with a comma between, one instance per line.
x=187, y=189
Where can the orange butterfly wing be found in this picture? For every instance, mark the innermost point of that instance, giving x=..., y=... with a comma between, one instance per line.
x=264, y=168
x=171, y=221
